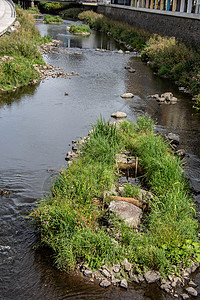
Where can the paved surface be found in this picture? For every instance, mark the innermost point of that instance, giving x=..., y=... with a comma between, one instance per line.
x=7, y=15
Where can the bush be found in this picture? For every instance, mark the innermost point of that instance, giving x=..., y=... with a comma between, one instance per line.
x=79, y=29
x=52, y=19
x=72, y=13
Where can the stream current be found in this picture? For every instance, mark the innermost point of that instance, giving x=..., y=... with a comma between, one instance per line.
x=37, y=125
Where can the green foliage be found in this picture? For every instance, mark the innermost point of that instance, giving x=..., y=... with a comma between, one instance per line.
x=72, y=13
x=52, y=7
x=71, y=217
x=33, y=10
x=136, y=38
x=131, y=191
x=79, y=29
x=174, y=60
x=52, y=19
x=19, y=51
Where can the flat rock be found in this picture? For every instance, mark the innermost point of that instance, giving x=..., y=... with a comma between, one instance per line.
x=127, y=95
x=116, y=282
x=191, y=291
x=152, y=276
x=105, y=273
x=87, y=272
x=105, y=283
x=127, y=211
x=124, y=283
x=185, y=296
x=119, y=115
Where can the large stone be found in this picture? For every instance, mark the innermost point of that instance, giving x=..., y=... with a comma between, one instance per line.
x=127, y=211
x=191, y=291
x=105, y=283
x=116, y=268
x=127, y=95
x=105, y=273
x=124, y=283
x=127, y=265
x=87, y=272
x=173, y=137
x=152, y=276
x=119, y=115
x=134, y=278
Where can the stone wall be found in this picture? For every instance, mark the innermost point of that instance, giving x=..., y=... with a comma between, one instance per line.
x=180, y=25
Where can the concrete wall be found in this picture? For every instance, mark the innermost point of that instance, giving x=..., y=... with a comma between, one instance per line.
x=183, y=26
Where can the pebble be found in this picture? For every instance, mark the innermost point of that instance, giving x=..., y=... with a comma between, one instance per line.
x=105, y=283
x=191, y=291
x=124, y=283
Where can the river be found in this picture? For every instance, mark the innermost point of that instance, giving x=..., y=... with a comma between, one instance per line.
x=37, y=125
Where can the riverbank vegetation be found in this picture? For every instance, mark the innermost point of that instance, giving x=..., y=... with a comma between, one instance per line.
x=19, y=52
x=168, y=57
x=74, y=219
x=48, y=19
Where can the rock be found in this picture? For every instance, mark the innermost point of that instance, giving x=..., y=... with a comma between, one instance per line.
x=181, y=153
x=134, y=278
x=127, y=95
x=97, y=275
x=131, y=70
x=119, y=115
x=191, y=291
x=152, y=276
x=87, y=272
x=127, y=211
x=105, y=273
x=127, y=265
x=166, y=287
x=116, y=268
x=155, y=96
x=70, y=155
x=121, y=158
x=165, y=98
x=141, y=278
x=105, y=283
x=174, y=138
x=185, y=296
x=120, y=51
x=124, y=283
x=192, y=284
x=115, y=282
x=66, y=94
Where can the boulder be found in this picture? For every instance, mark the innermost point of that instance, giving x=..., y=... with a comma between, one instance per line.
x=119, y=115
x=105, y=283
x=127, y=211
x=134, y=278
x=127, y=265
x=87, y=272
x=185, y=296
x=191, y=291
x=105, y=273
x=152, y=276
x=120, y=52
x=127, y=95
x=116, y=268
x=174, y=138
x=124, y=283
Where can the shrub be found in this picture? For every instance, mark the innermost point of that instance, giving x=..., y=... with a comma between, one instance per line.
x=52, y=19
x=79, y=28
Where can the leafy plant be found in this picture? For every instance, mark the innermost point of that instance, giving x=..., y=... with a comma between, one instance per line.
x=52, y=19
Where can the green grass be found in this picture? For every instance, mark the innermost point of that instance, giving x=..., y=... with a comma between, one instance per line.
x=78, y=29
x=52, y=19
x=20, y=51
x=79, y=228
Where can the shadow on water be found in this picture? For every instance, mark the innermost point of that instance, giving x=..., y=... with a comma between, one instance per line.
x=37, y=125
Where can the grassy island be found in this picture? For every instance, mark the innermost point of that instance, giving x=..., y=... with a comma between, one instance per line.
x=80, y=29
x=48, y=19
x=74, y=220
x=19, y=53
